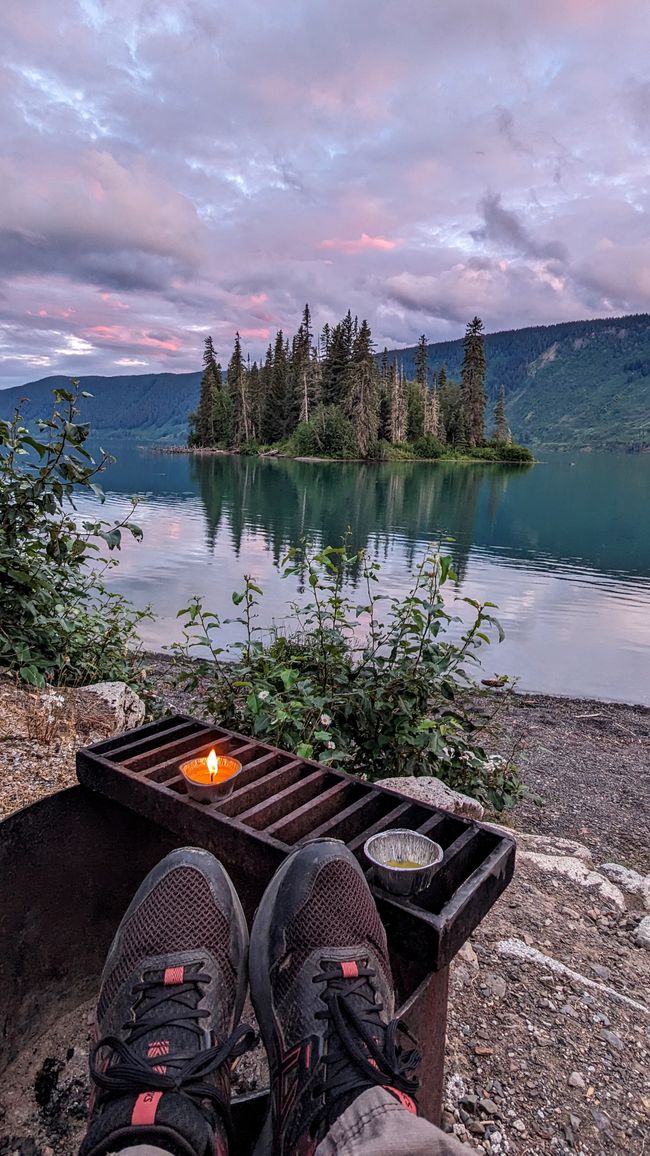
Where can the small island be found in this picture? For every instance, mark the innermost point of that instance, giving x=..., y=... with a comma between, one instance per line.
x=330, y=396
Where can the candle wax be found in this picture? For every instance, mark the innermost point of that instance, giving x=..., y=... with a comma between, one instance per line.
x=201, y=773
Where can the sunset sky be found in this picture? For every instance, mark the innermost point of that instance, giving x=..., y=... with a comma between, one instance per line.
x=179, y=167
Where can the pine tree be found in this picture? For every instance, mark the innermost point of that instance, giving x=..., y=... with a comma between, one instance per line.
x=473, y=383
x=416, y=402
x=422, y=362
x=397, y=407
x=256, y=395
x=362, y=402
x=202, y=431
x=336, y=363
x=304, y=368
x=501, y=433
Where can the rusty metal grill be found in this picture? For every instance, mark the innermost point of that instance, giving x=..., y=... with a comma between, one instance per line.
x=280, y=801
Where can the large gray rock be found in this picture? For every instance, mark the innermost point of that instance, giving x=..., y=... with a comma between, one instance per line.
x=427, y=789
x=642, y=933
x=120, y=702
x=628, y=880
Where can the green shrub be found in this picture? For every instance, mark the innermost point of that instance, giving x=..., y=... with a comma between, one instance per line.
x=58, y=623
x=372, y=685
x=328, y=434
x=428, y=446
x=483, y=453
x=513, y=453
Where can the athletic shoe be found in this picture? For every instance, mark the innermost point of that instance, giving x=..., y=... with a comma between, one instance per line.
x=323, y=994
x=171, y=994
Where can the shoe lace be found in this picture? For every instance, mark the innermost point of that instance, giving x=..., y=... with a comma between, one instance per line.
x=362, y=1050
x=161, y=1007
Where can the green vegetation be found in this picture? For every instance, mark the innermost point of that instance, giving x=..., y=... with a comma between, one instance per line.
x=58, y=623
x=330, y=397
x=580, y=383
x=372, y=686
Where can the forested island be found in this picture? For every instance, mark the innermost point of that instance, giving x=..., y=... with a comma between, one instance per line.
x=329, y=396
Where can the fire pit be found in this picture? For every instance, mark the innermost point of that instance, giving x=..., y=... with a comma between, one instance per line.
x=70, y=864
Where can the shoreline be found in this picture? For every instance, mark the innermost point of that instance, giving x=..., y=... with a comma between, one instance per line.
x=274, y=455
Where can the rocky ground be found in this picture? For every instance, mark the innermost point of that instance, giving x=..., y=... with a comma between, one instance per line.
x=548, y=1041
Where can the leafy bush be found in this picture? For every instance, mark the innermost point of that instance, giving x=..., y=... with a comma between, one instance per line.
x=428, y=446
x=380, y=693
x=483, y=453
x=328, y=434
x=514, y=453
x=58, y=623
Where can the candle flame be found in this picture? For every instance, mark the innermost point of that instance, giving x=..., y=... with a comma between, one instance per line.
x=213, y=763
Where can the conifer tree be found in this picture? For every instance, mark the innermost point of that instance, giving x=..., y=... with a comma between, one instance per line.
x=416, y=401
x=501, y=432
x=336, y=363
x=256, y=395
x=275, y=423
x=422, y=362
x=432, y=412
x=238, y=390
x=362, y=402
x=397, y=407
x=202, y=431
x=473, y=383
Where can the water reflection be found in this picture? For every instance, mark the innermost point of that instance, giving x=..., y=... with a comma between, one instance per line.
x=562, y=547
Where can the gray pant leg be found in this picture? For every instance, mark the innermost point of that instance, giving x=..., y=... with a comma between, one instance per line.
x=376, y=1124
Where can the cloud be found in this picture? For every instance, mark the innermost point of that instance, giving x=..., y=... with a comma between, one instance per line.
x=177, y=169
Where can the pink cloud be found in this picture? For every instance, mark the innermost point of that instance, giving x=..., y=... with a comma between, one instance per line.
x=362, y=243
x=263, y=334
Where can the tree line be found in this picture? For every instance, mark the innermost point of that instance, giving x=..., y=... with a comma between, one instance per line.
x=329, y=394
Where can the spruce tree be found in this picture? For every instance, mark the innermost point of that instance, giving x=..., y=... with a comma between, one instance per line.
x=256, y=395
x=416, y=400
x=432, y=425
x=202, y=431
x=422, y=362
x=473, y=383
x=362, y=402
x=276, y=422
x=238, y=390
x=501, y=432
x=336, y=363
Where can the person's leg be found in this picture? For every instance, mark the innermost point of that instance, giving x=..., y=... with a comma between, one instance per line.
x=171, y=995
x=376, y=1124
x=323, y=994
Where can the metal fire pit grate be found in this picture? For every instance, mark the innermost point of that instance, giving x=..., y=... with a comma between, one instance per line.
x=280, y=801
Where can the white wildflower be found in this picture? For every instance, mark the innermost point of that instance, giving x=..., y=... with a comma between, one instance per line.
x=325, y=720
x=330, y=745
x=263, y=695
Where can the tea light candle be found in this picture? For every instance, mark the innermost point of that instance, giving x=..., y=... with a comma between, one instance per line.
x=212, y=777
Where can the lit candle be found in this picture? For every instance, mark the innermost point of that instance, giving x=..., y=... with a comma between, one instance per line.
x=210, y=778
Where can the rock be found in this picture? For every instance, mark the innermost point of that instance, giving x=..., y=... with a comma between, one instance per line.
x=628, y=880
x=123, y=703
x=574, y=1121
x=469, y=956
x=447, y=1122
x=546, y=844
x=577, y=871
x=612, y=1039
x=496, y=984
x=642, y=933
x=576, y=1081
x=428, y=789
x=489, y=1107
x=601, y=971
x=519, y=1125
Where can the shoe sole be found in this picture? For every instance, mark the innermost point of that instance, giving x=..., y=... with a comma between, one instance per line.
x=217, y=878
x=319, y=851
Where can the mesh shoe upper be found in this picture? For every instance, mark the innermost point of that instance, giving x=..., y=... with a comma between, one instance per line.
x=172, y=991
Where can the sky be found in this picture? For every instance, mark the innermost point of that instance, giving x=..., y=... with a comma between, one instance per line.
x=173, y=168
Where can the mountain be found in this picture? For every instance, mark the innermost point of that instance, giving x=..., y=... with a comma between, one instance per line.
x=580, y=383
x=149, y=406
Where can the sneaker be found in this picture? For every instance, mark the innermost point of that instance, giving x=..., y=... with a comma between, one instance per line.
x=171, y=994
x=323, y=994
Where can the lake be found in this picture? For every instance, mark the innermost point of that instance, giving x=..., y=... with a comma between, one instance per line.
x=562, y=547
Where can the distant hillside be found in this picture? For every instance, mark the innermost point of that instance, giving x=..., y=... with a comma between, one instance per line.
x=149, y=406
x=582, y=383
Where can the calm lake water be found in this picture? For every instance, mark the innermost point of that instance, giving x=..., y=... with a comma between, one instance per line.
x=563, y=547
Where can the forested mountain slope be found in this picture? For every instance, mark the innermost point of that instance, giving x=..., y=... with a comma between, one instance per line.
x=581, y=383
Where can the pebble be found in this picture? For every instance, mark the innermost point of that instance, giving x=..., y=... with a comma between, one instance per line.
x=489, y=1107
x=612, y=1039
x=519, y=1125
x=601, y=971
x=642, y=933
x=576, y=1080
